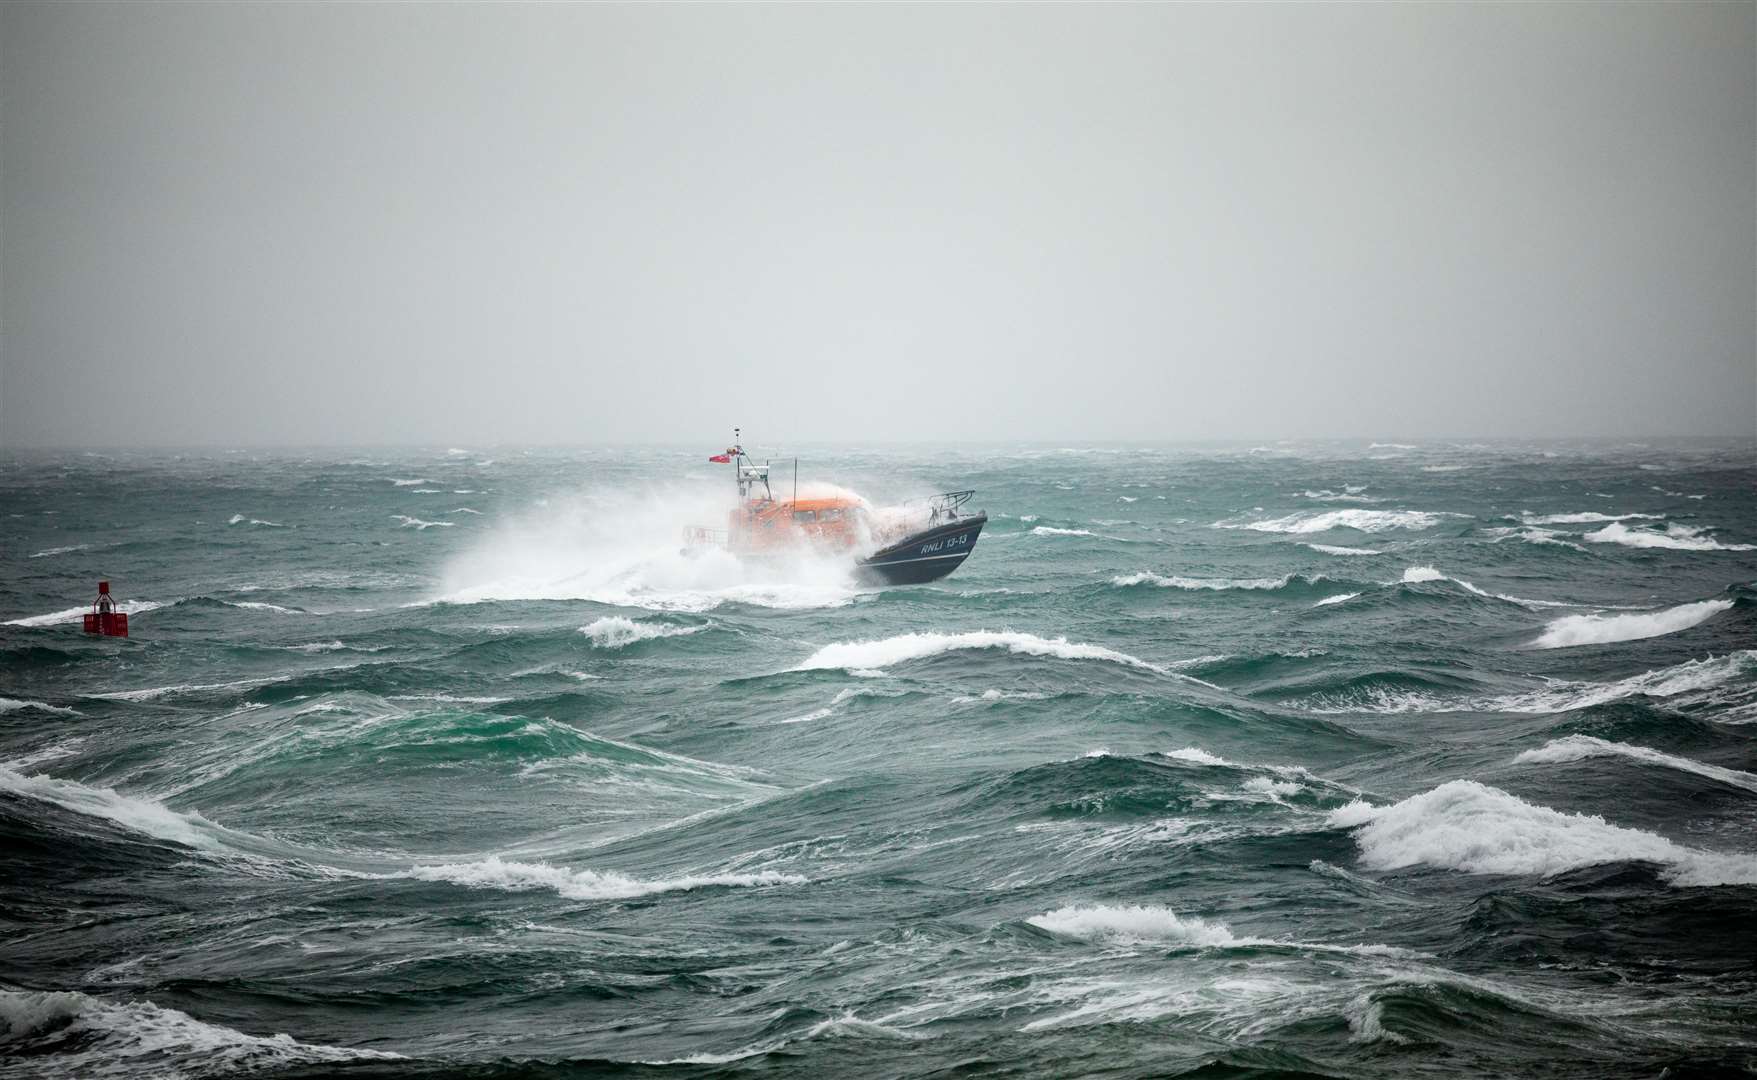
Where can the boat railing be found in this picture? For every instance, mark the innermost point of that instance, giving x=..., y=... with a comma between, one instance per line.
x=944, y=506
x=697, y=536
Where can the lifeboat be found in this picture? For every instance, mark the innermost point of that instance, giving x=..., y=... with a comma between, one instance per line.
x=894, y=547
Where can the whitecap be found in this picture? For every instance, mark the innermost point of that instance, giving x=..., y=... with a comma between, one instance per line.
x=1315, y=521
x=416, y=523
x=140, y=815
x=1581, y=747
x=1050, y=530
x=1416, y=575
x=1196, y=755
x=1337, y=599
x=60, y=551
x=1339, y=549
x=882, y=653
x=9, y=705
x=1583, y=518
x=93, y=1037
x=616, y=631
x=1675, y=538
x=1132, y=924
x=1153, y=924
x=1467, y=826
x=1688, y=677
x=497, y=873
x=995, y=694
x=1214, y=584
x=75, y=614
x=1596, y=629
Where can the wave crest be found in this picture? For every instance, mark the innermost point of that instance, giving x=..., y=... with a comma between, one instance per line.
x=1597, y=629
x=883, y=652
x=616, y=631
x=497, y=873
x=1467, y=826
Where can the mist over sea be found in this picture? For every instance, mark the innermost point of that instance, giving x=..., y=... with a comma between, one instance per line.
x=1330, y=759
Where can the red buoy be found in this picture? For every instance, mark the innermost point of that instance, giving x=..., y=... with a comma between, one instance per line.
x=103, y=618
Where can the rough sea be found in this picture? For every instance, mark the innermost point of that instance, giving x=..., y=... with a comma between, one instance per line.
x=1342, y=759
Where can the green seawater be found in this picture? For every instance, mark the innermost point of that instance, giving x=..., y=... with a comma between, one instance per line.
x=1329, y=759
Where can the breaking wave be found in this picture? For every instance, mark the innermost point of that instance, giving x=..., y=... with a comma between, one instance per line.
x=146, y=816
x=8, y=705
x=1132, y=923
x=615, y=631
x=1575, y=630
x=419, y=525
x=1214, y=584
x=60, y=551
x=1467, y=826
x=1416, y=575
x=497, y=873
x=1675, y=537
x=1588, y=517
x=92, y=1037
x=1050, y=530
x=1142, y=924
x=75, y=614
x=1316, y=521
x=1581, y=747
x=882, y=653
x=1339, y=549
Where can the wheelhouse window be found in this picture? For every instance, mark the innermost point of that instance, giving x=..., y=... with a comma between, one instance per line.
x=805, y=515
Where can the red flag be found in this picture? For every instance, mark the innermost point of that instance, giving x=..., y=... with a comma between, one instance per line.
x=720, y=458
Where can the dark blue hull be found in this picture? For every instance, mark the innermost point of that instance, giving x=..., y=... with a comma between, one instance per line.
x=926, y=556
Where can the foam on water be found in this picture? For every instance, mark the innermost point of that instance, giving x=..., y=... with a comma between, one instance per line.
x=497, y=873
x=1196, y=755
x=139, y=815
x=1575, y=630
x=1132, y=923
x=1316, y=521
x=1581, y=747
x=1675, y=538
x=1341, y=549
x=1587, y=517
x=95, y=1037
x=1467, y=826
x=615, y=631
x=1417, y=575
x=1050, y=530
x=419, y=525
x=1337, y=599
x=1153, y=924
x=60, y=551
x=75, y=614
x=8, y=705
x=1212, y=584
x=882, y=653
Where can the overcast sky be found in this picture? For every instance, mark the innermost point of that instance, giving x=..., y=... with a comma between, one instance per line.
x=451, y=224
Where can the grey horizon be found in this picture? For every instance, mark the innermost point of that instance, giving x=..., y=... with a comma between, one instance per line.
x=284, y=225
